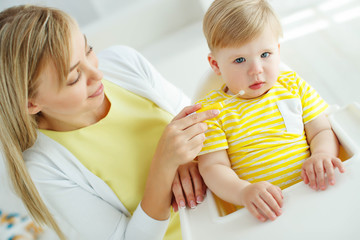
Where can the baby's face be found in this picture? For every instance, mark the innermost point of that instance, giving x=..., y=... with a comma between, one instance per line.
x=253, y=67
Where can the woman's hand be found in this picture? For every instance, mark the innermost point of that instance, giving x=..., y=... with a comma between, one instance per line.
x=180, y=143
x=183, y=138
x=314, y=168
x=188, y=185
x=263, y=200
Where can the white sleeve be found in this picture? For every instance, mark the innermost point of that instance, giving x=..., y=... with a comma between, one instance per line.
x=79, y=209
x=129, y=69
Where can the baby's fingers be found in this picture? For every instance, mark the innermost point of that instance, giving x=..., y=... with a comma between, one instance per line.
x=304, y=176
x=263, y=206
x=329, y=167
x=339, y=164
x=274, y=205
x=255, y=212
x=320, y=175
x=310, y=174
x=276, y=194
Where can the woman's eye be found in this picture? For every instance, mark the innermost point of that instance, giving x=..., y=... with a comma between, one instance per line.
x=265, y=55
x=240, y=60
x=89, y=51
x=77, y=79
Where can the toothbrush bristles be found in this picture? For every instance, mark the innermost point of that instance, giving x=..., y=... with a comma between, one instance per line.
x=240, y=93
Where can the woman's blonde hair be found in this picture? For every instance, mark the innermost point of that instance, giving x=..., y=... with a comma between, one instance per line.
x=233, y=23
x=30, y=37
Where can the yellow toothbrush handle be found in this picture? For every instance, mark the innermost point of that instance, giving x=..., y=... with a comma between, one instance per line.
x=218, y=106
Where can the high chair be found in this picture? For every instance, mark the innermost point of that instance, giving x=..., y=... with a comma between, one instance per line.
x=307, y=214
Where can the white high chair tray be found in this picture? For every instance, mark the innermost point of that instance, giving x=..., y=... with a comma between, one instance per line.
x=307, y=214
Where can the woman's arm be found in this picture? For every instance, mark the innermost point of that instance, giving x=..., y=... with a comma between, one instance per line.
x=180, y=143
x=126, y=67
x=86, y=208
x=324, y=148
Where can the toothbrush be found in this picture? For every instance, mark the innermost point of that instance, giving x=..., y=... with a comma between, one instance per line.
x=226, y=101
x=221, y=104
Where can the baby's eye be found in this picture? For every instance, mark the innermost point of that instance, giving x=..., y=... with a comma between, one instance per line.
x=265, y=55
x=240, y=60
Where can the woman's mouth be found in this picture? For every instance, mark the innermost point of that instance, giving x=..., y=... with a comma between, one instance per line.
x=98, y=92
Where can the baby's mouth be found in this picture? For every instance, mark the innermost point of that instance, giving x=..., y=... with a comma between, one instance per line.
x=257, y=85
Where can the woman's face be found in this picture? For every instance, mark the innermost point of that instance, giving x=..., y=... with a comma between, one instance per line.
x=80, y=96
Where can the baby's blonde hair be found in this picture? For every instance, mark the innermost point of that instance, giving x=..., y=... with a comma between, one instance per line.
x=233, y=23
x=30, y=37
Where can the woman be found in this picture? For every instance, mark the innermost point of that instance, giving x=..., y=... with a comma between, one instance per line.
x=102, y=154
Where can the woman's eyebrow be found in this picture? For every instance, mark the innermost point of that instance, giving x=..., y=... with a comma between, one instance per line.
x=85, y=40
x=73, y=67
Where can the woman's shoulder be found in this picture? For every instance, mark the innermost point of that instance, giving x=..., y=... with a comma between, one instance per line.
x=123, y=63
x=40, y=159
x=46, y=153
x=120, y=53
x=47, y=160
x=41, y=146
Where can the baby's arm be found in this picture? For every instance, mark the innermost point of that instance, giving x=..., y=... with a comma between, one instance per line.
x=262, y=199
x=324, y=148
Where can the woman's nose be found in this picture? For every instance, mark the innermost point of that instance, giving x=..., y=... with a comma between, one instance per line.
x=97, y=74
x=94, y=73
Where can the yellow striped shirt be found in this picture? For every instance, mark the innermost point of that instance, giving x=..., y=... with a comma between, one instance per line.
x=265, y=137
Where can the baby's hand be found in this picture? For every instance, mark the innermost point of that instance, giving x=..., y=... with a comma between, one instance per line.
x=263, y=199
x=314, y=169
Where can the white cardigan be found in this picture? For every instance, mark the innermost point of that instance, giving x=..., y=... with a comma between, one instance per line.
x=84, y=206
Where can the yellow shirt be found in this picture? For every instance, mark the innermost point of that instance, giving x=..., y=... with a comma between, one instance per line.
x=119, y=148
x=265, y=137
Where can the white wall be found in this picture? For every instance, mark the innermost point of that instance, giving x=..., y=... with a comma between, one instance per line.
x=142, y=23
x=85, y=11
x=90, y=11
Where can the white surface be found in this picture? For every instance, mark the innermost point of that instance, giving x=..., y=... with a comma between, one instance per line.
x=307, y=214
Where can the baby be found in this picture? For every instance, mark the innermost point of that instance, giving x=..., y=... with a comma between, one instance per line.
x=273, y=135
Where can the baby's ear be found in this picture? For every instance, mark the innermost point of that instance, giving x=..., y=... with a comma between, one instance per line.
x=214, y=64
